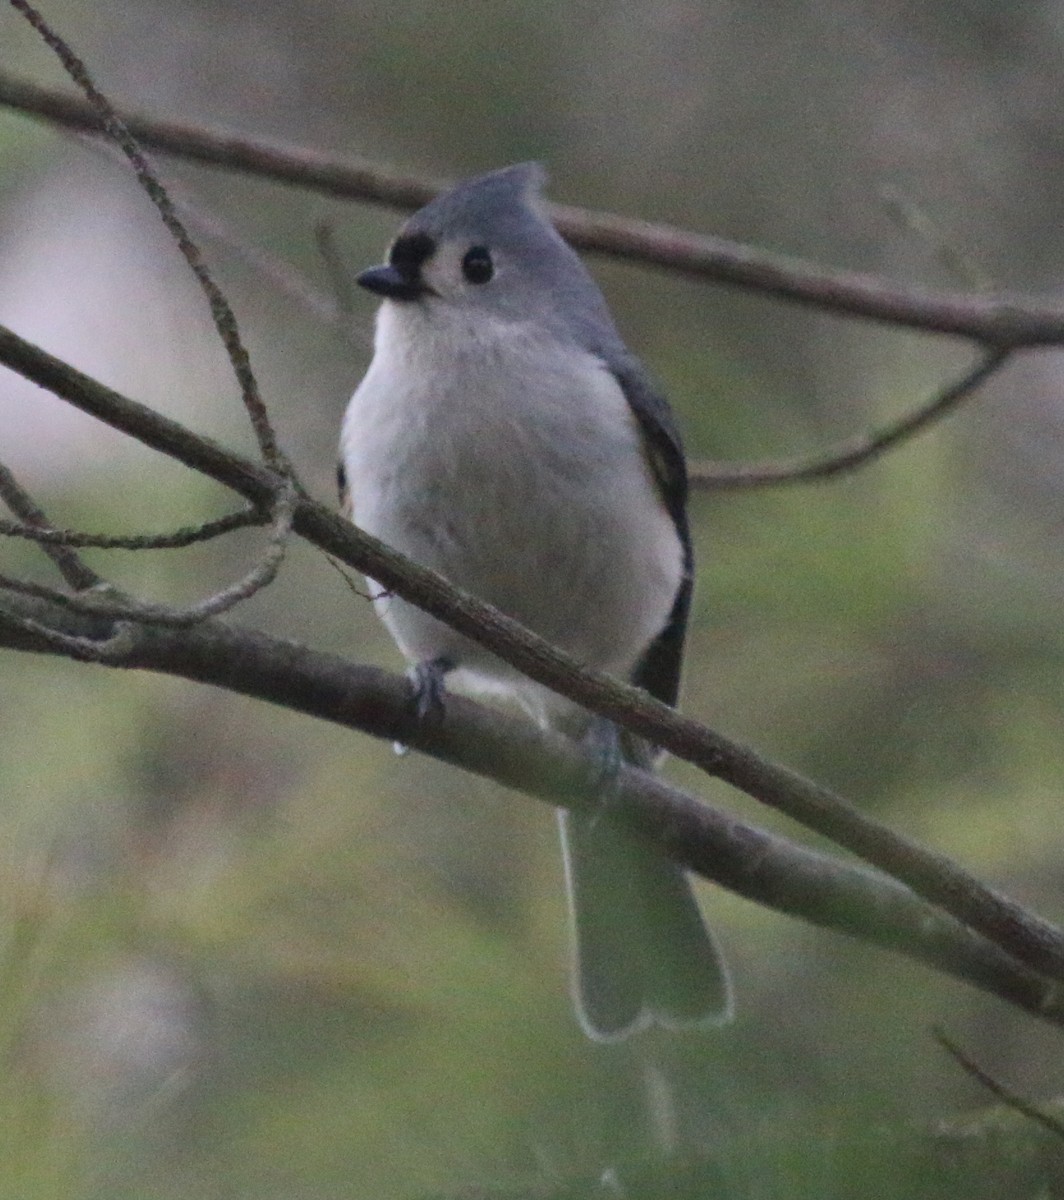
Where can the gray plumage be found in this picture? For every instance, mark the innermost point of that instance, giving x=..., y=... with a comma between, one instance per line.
x=505, y=436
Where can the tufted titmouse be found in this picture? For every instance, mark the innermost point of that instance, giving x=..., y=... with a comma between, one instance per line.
x=505, y=436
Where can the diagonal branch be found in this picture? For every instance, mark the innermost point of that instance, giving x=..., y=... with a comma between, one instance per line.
x=857, y=451
x=758, y=865
x=932, y=876
x=77, y=573
x=287, y=280
x=1006, y=1095
x=349, y=179
x=1004, y=320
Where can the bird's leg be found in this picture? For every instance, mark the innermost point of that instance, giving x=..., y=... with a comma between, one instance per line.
x=603, y=742
x=428, y=687
x=611, y=747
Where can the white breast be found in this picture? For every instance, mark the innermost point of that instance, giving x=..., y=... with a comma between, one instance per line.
x=516, y=470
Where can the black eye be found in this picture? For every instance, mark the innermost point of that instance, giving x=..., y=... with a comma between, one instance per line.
x=477, y=266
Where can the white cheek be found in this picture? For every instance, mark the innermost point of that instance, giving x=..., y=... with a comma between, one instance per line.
x=443, y=273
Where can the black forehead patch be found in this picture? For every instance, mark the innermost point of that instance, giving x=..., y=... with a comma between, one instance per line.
x=410, y=251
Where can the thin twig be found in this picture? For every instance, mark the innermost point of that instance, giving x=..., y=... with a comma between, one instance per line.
x=915, y=219
x=263, y=573
x=224, y=318
x=78, y=574
x=282, y=502
x=109, y=603
x=601, y=231
x=278, y=273
x=186, y=536
x=856, y=451
x=110, y=650
x=996, y=1088
x=349, y=580
x=1004, y=320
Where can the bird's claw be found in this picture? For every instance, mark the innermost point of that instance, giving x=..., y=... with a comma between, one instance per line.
x=428, y=687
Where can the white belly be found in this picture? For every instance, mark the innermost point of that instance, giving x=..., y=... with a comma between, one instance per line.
x=526, y=487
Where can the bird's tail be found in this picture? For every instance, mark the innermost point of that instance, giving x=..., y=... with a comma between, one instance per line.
x=643, y=954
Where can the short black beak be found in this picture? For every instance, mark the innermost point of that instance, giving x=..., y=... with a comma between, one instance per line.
x=393, y=284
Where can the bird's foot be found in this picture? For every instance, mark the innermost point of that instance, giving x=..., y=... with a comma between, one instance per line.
x=428, y=687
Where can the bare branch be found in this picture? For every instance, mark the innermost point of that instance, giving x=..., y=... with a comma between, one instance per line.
x=282, y=276
x=350, y=179
x=111, y=649
x=761, y=866
x=1000, y=324
x=940, y=881
x=856, y=451
x=915, y=219
x=78, y=574
x=1006, y=320
x=224, y=317
x=187, y=535
x=996, y=1088
x=108, y=602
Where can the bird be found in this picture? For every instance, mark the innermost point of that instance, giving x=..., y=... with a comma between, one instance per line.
x=506, y=437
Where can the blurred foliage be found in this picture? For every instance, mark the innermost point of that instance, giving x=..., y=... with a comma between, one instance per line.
x=244, y=955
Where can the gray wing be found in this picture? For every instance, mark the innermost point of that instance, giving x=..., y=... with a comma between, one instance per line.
x=658, y=671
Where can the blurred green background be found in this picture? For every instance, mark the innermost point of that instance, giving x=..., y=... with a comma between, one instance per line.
x=246, y=955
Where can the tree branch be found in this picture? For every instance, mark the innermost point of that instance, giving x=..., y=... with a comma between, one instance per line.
x=934, y=877
x=1013, y=1100
x=110, y=602
x=760, y=866
x=1007, y=321
x=35, y=525
x=48, y=536
x=855, y=452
